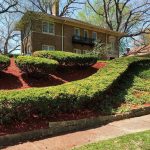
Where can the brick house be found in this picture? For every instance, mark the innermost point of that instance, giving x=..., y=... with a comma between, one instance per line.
x=50, y=32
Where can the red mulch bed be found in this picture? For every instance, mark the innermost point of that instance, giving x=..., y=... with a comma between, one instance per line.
x=13, y=78
x=35, y=122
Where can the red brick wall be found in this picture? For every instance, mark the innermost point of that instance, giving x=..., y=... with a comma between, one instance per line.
x=39, y=38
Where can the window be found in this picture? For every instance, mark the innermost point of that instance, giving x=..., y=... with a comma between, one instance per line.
x=48, y=47
x=78, y=51
x=112, y=43
x=86, y=51
x=94, y=36
x=85, y=34
x=77, y=32
x=48, y=27
x=45, y=27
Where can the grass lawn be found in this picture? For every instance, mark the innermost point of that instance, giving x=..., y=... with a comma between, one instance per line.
x=137, y=141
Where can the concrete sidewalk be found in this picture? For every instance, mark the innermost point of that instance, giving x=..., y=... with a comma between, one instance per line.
x=68, y=141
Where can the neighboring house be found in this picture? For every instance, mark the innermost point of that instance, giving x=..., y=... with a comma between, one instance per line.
x=41, y=31
x=142, y=50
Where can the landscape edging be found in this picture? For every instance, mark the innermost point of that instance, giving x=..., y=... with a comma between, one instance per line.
x=57, y=128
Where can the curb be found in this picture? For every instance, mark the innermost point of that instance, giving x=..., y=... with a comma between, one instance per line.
x=57, y=128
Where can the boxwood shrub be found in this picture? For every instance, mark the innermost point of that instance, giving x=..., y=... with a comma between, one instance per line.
x=4, y=62
x=36, y=65
x=68, y=58
x=69, y=97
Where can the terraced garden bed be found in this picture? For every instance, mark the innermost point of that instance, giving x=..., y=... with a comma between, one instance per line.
x=123, y=85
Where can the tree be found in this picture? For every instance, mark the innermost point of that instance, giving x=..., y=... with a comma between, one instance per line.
x=146, y=38
x=129, y=16
x=7, y=5
x=9, y=38
x=67, y=7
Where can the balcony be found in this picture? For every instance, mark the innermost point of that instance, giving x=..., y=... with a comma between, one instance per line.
x=83, y=40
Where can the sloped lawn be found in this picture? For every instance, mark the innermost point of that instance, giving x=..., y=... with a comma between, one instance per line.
x=137, y=141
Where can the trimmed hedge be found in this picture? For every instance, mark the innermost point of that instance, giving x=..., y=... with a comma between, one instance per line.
x=4, y=62
x=69, y=97
x=36, y=65
x=67, y=58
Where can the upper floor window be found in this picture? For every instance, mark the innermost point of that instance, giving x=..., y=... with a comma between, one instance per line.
x=86, y=34
x=112, y=42
x=77, y=32
x=94, y=36
x=86, y=51
x=48, y=47
x=48, y=27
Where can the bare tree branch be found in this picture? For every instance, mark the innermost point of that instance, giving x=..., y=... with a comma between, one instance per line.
x=7, y=5
x=128, y=17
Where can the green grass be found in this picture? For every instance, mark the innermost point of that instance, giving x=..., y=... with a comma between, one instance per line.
x=137, y=141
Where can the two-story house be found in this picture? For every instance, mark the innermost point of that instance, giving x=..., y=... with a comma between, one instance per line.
x=41, y=31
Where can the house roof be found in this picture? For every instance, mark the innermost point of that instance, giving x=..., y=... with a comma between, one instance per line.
x=141, y=50
x=75, y=22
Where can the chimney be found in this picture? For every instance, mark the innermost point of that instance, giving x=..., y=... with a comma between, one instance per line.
x=55, y=8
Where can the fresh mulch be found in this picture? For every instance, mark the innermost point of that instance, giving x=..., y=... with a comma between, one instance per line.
x=13, y=78
x=36, y=122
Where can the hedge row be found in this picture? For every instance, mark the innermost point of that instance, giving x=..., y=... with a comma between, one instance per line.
x=36, y=65
x=69, y=97
x=67, y=58
x=4, y=62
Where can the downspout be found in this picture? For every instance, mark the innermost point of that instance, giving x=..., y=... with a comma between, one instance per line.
x=106, y=40
x=63, y=34
x=106, y=44
x=118, y=46
x=62, y=37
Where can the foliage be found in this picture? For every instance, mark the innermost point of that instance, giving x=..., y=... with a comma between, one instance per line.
x=133, y=89
x=146, y=38
x=13, y=55
x=128, y=142
x=36, y=65
x=83, y=94
x=4, y=62
x=101, y=49
x=88, y=15
x=123, y=16
x=67, y=58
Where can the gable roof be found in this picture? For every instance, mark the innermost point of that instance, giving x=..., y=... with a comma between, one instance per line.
x=141, y=50
x=73, y=22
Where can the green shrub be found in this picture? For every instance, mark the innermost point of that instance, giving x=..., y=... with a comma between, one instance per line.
x=4, y=62
x=13, y=55
x=83, y=94
x=36, y=65
x=67, y=58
